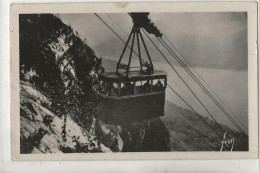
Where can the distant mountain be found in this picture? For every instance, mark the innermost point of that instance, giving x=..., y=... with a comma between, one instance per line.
x=188, y=131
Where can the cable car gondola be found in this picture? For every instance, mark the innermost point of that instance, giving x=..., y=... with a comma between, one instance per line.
x=133, y=95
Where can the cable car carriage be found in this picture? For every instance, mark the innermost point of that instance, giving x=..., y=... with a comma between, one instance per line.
x=133, y=95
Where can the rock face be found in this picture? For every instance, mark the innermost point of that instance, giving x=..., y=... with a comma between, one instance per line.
x=57, y=99
x=150, y=135
x=41, y=130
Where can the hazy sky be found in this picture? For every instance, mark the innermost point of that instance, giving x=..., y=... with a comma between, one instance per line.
x=217, y=40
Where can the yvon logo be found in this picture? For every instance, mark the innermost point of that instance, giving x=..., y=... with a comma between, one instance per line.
x=227, y=144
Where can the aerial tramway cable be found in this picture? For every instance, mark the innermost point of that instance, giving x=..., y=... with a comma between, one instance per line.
x=200, y=84
x=108, y=26
x=195, y=101
x=194, y=71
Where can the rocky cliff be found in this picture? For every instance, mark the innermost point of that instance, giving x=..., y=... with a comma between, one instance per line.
x=57, y=73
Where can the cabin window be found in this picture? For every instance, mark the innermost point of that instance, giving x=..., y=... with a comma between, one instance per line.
x=132, y=88
x=146, y=86
x=142, y=86
x=138, y=87
x=109, y=88
x=158, y=85
x=127, y=88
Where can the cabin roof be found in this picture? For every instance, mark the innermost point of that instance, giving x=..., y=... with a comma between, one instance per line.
x=132, y=76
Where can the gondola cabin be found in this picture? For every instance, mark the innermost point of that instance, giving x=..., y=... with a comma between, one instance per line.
x=128, y=95
x=135, y=98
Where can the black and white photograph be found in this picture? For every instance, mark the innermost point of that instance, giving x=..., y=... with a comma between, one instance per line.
x=134, y=81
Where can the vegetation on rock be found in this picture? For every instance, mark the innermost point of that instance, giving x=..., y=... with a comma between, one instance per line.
x=61, y=66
